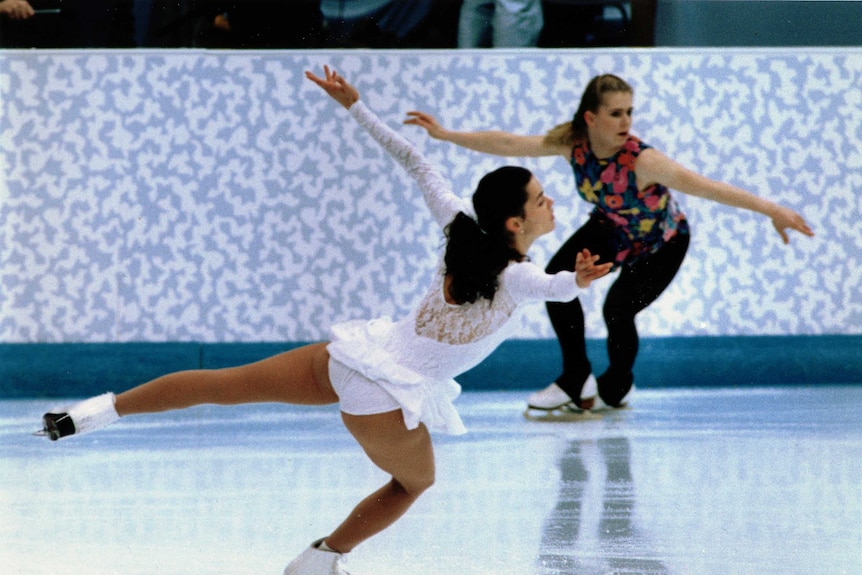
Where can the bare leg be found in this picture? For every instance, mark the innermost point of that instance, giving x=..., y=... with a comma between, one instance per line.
x=301, y=376
x=406, y=454
x=298, y=376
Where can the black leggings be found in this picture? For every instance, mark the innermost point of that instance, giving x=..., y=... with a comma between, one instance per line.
x=636, y=287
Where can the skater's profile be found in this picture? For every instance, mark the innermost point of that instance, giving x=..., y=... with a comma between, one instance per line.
x=393, y=380
x=636, y=225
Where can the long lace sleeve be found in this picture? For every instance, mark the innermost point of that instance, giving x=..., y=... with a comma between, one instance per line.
x=442, y=202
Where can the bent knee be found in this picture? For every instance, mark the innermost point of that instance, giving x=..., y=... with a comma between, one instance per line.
x=416, y=486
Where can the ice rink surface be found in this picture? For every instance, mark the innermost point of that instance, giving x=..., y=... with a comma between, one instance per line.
x=702, y=481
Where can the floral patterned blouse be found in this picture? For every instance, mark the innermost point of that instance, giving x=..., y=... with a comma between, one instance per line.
x=643, y=221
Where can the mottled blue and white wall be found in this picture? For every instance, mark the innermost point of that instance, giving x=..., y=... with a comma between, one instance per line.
x=220, y=196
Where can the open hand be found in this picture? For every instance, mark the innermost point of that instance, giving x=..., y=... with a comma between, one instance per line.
x=786, y=218
x=427, y=121
x=336, y=86
x=586, y=269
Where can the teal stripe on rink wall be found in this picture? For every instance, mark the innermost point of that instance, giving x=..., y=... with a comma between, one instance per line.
x=82, y=369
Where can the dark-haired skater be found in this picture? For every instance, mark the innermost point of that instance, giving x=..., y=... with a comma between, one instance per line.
x=392, y=380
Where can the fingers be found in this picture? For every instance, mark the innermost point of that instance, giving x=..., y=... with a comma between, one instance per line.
x=586, y=269
x=585, y=257
x=314, y=78
x=331, y=78
x=804, y=228
x=20, y=11
x=420, y=119
x=336, y=86
x=417, y=115
x=595, y=272
x=793, y=221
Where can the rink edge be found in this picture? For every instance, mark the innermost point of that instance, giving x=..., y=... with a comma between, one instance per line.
x=33, y=370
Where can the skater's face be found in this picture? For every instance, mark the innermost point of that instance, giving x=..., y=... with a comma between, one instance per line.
x=608, y=126
x=538, y=217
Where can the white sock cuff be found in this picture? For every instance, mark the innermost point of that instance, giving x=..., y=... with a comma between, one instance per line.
x=94, y=413
x=322, y=546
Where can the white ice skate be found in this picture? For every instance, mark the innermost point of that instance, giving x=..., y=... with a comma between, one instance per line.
x=83, y=417
x=554, y=404
x=315, y=561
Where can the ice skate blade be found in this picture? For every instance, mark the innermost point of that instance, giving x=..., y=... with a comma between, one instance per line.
x=51, y=434
x=56, y=425
x=560, y=415
x=604, y=408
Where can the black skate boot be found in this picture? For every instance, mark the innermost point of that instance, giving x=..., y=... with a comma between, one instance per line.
x=615, y=387
x=57, y=425
x=83, y=417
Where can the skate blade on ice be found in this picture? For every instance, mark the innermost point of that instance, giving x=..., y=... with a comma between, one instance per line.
x=560, y=414
x=55, y=426
x=604, y=408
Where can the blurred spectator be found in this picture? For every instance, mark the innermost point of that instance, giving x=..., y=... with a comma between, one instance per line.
x=31, y=24
x=165, y=23
x=500, y=23
x=100, y=23
x=16, y=9
x=643, y=22
x=390, y=23
x=592, y=23
x=71, y=24
x=310, y=24
x=259, y=24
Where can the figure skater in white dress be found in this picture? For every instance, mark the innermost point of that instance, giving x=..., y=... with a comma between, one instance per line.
x=392, y=380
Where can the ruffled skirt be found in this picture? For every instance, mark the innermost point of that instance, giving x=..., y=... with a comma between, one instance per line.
x=368, y=347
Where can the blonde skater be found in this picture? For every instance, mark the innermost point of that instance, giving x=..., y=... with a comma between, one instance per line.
x=635, y=224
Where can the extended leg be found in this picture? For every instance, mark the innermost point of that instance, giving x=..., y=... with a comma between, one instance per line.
x=297, y=376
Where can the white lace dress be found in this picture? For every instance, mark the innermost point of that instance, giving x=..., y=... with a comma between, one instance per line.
x=416, y=358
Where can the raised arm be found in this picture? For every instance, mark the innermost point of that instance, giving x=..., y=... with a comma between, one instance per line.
x=654, y=167
x=494, y=142
x=438, y=195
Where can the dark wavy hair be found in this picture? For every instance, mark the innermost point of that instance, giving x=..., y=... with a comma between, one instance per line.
x=479, y=249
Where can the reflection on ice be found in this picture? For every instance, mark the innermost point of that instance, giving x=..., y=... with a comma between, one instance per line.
x=592, y=527
x=709, y=482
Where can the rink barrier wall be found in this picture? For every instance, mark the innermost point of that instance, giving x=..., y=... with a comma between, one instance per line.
x=81, y=369
x=208, y=195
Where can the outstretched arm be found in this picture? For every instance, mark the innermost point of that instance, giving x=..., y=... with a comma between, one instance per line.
x=528, y=282
x=654, y=167
x=494, y=142
x=444, y=204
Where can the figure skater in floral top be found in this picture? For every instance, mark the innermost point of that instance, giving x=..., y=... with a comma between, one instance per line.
x=636, y=224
